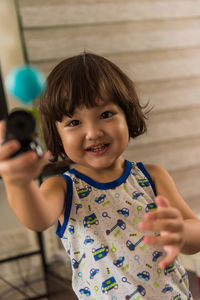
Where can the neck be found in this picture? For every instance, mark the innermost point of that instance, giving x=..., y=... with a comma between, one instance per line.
x=110, y=173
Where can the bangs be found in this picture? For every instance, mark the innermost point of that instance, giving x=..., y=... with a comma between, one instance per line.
x=85, y=83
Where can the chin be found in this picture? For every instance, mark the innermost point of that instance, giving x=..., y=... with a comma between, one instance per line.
x=102, y=164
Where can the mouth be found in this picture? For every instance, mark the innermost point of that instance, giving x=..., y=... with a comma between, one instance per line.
x=97, y=148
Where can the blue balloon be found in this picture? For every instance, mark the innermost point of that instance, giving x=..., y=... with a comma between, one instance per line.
x=25, y=83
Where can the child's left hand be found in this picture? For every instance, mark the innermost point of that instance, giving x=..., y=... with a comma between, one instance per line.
x=170, y=223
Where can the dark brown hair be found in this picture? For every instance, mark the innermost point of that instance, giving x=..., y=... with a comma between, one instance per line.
x=84, y=80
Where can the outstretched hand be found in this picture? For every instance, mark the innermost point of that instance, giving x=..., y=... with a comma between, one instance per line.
x=20, y=169
x=170, y=223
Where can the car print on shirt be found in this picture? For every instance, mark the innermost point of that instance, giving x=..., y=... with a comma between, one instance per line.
x=85, y=291
x=144, y=275
x=124, y=212
x=88, y=240
x=156, y=255
x=84, y=192
x=100, y=252
x=119, y=262
x=108, y=285
x=150, y=207
x=136, y=194
x=143, y=182
x=90, y=220
x=93, y=272
x=100, y=199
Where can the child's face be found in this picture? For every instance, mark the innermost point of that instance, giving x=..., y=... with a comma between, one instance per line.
x=95, y=137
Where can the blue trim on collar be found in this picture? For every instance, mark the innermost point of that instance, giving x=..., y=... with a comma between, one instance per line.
x=106, y=185
x=148, y=176
x=61, y=228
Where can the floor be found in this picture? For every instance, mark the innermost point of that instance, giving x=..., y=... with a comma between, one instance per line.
x=59, y=290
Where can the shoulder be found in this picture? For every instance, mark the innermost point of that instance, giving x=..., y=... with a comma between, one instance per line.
x=157, y=172
x=54, y=187
x=160, y=177
x=54, y=182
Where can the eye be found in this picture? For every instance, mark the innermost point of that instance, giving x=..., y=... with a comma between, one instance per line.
x=106, y=114
x=73, y=123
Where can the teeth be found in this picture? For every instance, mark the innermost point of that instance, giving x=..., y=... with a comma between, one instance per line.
x=98, y=148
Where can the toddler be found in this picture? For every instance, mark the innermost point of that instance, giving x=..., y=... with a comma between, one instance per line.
x=121, y=222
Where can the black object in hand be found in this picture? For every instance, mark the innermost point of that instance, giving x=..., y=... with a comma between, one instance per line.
x=21, y=125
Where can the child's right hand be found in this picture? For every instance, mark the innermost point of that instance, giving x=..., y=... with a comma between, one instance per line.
x=22, y=169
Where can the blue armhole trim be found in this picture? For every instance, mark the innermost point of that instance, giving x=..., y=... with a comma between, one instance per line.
x=61, y=228
x=147, y=175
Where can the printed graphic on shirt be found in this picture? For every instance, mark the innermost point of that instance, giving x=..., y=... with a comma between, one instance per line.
x=105, y=243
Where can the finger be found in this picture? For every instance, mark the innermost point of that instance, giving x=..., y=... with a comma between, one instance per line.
x=171, y=255
x=163, y=240
x=162, y=213
x=44, y=159
x=172, y=225
x=36, y=161
x=28, y=163
x=18, y=163
x=162, y=202
x=36, y=166
x=8, y=149
x=2, y=131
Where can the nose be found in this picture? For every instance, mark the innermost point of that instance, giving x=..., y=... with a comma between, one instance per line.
x=93, y=132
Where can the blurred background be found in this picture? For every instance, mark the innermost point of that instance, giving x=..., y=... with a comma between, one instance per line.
x=157, y=43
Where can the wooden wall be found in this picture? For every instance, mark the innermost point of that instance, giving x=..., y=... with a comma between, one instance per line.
x=157, y=42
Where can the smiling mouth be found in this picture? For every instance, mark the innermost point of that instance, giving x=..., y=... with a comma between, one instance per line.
x=98, y=148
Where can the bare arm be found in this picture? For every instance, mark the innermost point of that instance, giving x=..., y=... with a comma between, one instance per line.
x=36, y=208
x=174, y=218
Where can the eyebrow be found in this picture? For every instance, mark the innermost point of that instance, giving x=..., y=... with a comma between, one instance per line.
x=101, y=106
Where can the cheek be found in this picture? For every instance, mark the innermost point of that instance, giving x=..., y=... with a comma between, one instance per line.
x=71, y=143
x=123, y=128
x=67, y=142
x=126, y=137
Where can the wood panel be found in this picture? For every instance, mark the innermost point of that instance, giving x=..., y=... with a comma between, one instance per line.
x=188, y=182
x=109, y=38
x=37, y=13
x=160, y=65
x=165, y=126
x=173, y=155
x=171, y=94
